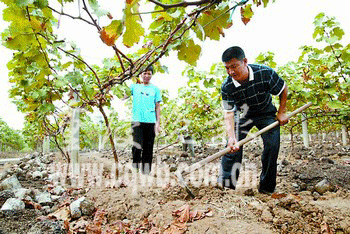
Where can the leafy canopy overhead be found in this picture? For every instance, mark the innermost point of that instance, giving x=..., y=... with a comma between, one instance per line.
x=46, y=67
x=47, y=70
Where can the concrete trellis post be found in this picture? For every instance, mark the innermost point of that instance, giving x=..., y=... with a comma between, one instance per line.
x=324, y=136
x=344, y=135
x=305, y=131
x=46, y=144
x=100, y=137
x=288, y=137
x=100, y=143
x=74, y=148
x=115, y=139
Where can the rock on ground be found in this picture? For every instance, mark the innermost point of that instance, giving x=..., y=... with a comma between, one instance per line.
x=13, y=204
x=10, y=183
x=48, y=226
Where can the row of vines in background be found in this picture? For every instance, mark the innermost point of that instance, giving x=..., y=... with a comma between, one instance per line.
x=321, y=76
x=321, y=121
x=10, y=140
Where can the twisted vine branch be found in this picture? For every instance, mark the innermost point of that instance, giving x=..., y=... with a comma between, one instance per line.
x=70, y=16
x=181, y=4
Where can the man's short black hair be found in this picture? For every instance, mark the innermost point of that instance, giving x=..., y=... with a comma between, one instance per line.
x=150, y=68
x=233, y=52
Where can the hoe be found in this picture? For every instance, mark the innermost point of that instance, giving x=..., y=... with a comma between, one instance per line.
x=179, y=174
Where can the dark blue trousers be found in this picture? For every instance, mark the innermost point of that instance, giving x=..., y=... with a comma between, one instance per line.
x=230, y=163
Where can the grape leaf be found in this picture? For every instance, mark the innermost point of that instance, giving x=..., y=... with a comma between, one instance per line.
x=96, y=8
x=112, y=32
x=189, y=52
x=22, y=3
x=133, y=29
x=212, y=22
x=246, y=13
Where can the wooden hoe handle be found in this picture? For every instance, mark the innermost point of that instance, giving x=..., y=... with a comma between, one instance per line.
x=241, y=142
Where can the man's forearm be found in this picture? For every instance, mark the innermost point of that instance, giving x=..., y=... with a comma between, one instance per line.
x=281, y=114
x=283, y=100
x=229, y=122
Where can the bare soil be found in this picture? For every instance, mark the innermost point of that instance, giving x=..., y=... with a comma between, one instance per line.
x=295, y=207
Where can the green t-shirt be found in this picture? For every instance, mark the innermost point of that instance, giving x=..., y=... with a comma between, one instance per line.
x=144, y=102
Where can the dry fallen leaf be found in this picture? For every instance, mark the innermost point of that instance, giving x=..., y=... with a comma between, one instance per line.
x=149, y=226
x=96, y=226
x=100, y=217
x=67, y=227
x=61, y=214
x=118, y=227
x=154, y=230
x=32, y=205
x=79, y=225
x=183, y=214
x=93, y=229
x=176, y=228
x=325, y=229
x=278, y=195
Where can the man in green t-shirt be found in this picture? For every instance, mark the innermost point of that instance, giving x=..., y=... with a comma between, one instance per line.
x=145, y=120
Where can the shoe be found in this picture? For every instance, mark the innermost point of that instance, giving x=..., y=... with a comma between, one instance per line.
x=225, y=184
x=265, y=192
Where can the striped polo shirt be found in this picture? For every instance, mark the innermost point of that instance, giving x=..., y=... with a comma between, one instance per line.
x=253, y=97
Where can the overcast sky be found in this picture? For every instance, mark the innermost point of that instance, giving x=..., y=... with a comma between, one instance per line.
x=281, y=28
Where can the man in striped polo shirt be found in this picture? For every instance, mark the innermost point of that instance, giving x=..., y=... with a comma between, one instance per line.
x=247, y=102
